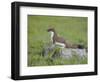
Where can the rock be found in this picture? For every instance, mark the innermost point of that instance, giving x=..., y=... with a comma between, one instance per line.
x=66, y=53
x=63, y=52
x=47, y=50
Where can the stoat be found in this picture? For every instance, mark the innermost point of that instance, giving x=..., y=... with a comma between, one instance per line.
x=60, y=40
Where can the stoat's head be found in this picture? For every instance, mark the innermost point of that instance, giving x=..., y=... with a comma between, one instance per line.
x=51, y=30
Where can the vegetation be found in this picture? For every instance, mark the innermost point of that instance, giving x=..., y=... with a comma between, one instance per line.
x=73, y=29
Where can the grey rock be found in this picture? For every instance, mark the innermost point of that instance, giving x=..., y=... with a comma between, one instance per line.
x=64, y=52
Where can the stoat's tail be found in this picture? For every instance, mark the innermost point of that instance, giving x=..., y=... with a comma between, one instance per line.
x=80, y=46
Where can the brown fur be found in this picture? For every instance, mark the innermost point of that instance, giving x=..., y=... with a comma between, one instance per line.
x=56, y=38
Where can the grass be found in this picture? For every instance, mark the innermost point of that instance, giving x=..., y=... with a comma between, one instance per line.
x=73, y=29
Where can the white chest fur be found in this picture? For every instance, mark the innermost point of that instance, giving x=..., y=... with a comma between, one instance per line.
x=52, y=34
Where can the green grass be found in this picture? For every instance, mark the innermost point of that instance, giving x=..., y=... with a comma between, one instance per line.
x=73, y=29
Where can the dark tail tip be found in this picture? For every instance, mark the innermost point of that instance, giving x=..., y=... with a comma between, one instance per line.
x=80, y=46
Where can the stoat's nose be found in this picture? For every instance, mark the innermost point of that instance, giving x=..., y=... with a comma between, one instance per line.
x=47, y=30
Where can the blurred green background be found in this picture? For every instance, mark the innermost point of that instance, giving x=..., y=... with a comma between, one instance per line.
x=73, y=29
